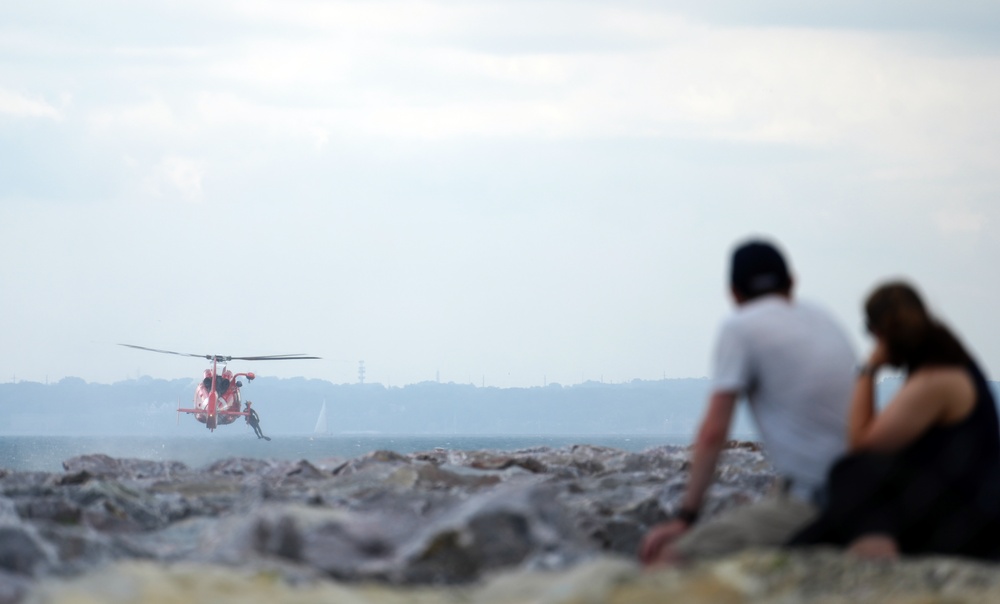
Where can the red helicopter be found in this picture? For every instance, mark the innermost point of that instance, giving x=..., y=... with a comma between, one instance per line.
x=217, y=397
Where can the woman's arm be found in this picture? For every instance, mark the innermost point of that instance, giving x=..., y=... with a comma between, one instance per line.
x=862, y=413
x=930, y=396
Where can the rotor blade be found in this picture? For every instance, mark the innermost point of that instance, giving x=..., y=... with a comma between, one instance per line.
x=276, y=357
x=183, y=354
x=225, y=358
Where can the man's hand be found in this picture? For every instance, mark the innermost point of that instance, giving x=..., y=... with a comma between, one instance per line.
x=654, y=545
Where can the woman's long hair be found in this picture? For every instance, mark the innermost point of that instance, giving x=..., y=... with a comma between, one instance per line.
x=914, y=338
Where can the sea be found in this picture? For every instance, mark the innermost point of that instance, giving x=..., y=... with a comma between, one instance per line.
x=47, y=453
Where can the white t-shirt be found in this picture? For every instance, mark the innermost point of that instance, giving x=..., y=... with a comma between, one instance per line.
x=796, y=368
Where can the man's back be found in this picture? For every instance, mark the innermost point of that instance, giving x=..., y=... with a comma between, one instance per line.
x=796, y=366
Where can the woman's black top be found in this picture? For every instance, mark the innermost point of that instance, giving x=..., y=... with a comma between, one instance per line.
x=940, y=494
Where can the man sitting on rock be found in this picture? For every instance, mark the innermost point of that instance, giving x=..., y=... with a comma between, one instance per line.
x=795, y=367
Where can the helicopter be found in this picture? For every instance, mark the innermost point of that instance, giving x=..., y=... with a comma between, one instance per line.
x=217, y=396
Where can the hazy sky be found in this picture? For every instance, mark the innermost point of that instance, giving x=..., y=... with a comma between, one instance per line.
x=509, y=192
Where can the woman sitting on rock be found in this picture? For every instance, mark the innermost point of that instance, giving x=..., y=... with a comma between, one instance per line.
x=922, y=475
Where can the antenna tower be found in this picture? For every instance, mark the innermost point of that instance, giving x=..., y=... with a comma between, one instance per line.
x=361, y=372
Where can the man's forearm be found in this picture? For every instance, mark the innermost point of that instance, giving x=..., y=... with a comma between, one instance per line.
x=703, y=461
x=709, y=444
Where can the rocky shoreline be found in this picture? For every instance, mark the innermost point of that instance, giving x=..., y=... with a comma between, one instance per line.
x=441, y=526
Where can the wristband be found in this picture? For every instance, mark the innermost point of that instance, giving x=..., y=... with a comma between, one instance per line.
x=686, y=515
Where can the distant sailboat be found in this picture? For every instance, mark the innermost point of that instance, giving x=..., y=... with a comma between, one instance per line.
x=321, y=426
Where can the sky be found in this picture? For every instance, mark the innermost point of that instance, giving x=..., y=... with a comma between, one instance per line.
x=507, y=193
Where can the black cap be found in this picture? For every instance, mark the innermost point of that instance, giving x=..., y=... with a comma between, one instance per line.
x=758, y=268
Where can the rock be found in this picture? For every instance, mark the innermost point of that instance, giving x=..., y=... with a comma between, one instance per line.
x=103, y=465
x=265, y=468
x=336, y=542
x=150, y=583
x=8, y=511
x=207, y=494
x=111, y=506
x=13, y=588
x=455, y=477
x=431, y=517
x=50, y=507
x=489, y=461
x=540, y=524
x=370, y=459
x=763, y=576
x=23, y=551
x=78, y=546
x=21, y=486
x=522, y=524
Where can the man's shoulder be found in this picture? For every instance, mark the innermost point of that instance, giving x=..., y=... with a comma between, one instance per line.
x=813, y=306
x=770, y=315
x=775, y=306
x=819, y=316
x=769, y=308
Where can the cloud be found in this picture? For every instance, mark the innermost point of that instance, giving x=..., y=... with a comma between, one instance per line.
x=18, y=105
x=331, y=77
x=321, y=71
x=359, y=20
x=442, y=162
x=181, y=177
x=149, y=118
x=959, y=221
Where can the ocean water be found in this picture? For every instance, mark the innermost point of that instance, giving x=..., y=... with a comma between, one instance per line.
x=46, y=453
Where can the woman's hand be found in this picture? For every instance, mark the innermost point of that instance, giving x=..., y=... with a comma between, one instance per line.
x=862, y=411
x=879, y=355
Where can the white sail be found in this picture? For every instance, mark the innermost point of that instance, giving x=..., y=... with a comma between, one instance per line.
x=321, y=427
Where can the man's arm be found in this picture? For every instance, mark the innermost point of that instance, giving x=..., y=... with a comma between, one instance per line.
x=711, y=439
x=708, y=445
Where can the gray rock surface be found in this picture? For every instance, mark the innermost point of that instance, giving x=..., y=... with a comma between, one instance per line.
x=434, y=517
x=403, y=522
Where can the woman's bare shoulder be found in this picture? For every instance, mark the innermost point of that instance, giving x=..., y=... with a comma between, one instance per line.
x=950, y=386
x=942, y=375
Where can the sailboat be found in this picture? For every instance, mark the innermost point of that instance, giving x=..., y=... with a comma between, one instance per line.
x=321, y=425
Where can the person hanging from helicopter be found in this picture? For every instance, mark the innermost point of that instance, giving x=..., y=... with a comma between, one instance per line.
x=254, y=420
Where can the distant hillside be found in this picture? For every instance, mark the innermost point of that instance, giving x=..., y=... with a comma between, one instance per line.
x=146, y=406
x=291, y=406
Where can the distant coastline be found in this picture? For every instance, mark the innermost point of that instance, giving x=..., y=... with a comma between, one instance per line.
x=292, y=406
x=147, y=406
